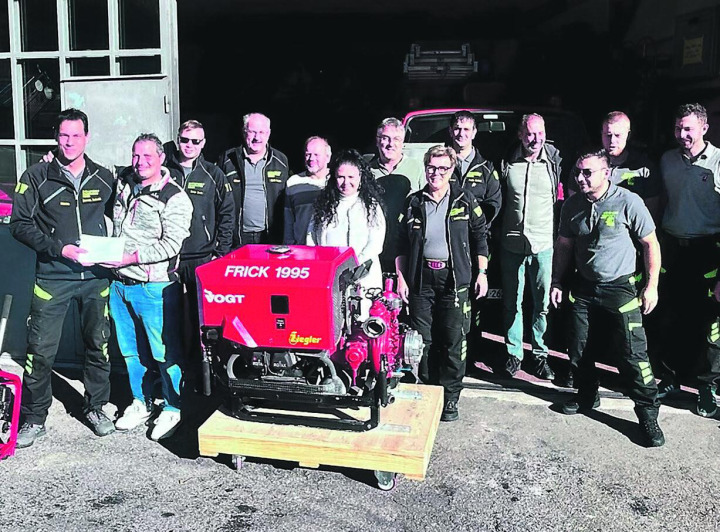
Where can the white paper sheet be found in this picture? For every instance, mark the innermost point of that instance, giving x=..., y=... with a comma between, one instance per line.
x=101, y=249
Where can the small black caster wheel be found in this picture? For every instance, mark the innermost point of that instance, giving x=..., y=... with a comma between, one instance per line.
x=385, y=480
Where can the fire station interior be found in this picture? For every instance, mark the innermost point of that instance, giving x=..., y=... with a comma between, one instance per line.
x=335, y=68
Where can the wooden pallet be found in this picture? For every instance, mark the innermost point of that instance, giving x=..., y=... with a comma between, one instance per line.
x=401, y=443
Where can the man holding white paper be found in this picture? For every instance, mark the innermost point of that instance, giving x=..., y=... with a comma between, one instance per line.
x=55, y=203
x=153, y=213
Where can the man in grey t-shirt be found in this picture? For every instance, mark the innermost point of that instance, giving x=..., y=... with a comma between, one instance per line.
x=598, y=229
x=257, y=174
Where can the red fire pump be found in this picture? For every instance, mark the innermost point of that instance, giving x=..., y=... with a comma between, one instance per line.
x=281, y=327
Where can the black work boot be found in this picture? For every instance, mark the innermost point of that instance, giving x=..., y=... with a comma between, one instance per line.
x=541, y=369
x=581, y=404
x=450, y=411
x=512, y=365
x=651, y=432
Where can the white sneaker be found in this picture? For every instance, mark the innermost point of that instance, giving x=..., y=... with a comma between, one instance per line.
x=165, y=424
x=135, y=415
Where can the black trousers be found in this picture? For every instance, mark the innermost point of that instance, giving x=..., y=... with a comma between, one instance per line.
x=619, y=303
x=442, y=316
x=191, y=336
x=50, y=303
x=259, y=237
x=710, y=374
x=686, y=310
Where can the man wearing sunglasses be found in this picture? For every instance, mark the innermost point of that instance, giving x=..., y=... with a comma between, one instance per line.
x=443, y=242
x=599, y=229
x=213, y=220
x=257, y=174
x=530, y=179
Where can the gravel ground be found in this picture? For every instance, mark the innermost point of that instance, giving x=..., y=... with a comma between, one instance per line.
x=512, y=462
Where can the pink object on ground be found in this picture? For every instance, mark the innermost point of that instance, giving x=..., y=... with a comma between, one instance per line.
x=10, y=390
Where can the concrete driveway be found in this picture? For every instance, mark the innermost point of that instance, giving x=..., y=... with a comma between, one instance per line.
x=510, y=463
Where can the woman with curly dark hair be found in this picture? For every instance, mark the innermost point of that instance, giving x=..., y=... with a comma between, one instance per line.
x=348, y=212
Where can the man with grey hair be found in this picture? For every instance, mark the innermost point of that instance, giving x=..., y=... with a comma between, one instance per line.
x=530, y=180
x=690, y=240
x=399, y=175
x=304, y=188
x=153, y=214
x=443, y=244
x=258, y=174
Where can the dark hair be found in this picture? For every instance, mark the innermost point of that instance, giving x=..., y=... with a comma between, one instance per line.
x=462, y=115
x=369, y=191
x=71, y=114
x=691, y=109
x=589, y=154
x=153, y=138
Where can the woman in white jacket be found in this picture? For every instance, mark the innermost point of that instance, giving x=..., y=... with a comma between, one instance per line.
x=348, y=212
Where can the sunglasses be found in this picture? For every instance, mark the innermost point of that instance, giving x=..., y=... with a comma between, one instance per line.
x=185, y=140
x=587, y=172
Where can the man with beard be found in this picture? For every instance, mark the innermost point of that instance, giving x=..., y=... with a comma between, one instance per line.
x=691, y=231
x=530, y=179
x=599, y=229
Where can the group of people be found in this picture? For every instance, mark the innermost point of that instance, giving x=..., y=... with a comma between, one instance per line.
x=432, y=223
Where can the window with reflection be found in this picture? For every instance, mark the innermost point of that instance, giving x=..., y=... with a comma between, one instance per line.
x=6, y=104
x=139, y=24
x=88, y=25
x=38, y=20
x=41, y=97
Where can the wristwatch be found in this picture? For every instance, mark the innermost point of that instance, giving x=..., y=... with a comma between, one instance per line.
x=482, y=270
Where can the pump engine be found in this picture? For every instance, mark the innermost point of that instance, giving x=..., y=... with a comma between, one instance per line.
x=282, y=327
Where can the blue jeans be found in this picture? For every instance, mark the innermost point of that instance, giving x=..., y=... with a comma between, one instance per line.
x=147, y=327
x=514, y=269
